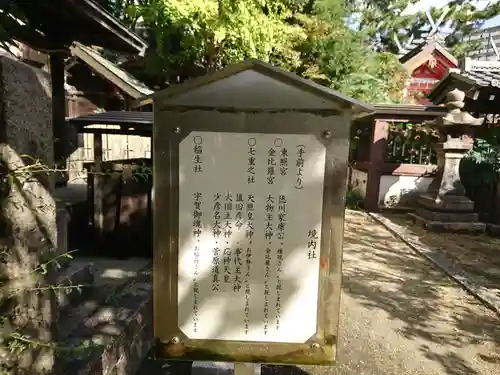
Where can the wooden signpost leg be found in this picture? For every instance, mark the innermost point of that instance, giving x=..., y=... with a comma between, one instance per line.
x=224, y=368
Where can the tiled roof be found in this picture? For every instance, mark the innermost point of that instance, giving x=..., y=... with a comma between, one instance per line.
x=484, y=78
x=473, y=75
x=483, y=73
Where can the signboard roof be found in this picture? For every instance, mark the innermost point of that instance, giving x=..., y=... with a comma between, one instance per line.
x=326, y=96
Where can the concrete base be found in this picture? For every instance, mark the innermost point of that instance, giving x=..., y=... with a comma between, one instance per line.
x=450, y=226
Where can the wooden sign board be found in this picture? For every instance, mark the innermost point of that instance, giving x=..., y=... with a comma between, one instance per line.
x=250, y=280
x=249, y=187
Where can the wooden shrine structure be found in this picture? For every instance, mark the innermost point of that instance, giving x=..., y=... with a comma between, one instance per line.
x=53, y=26
x=427, y=64
x=118, y=193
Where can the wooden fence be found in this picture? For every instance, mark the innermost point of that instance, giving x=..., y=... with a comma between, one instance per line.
x=115, y=147
x=391, y=154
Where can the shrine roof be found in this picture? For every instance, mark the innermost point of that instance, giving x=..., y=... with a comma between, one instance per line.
x=421, y=53
x=125, y=122
x=110, y=71
x=54, y=23
x=475, y=74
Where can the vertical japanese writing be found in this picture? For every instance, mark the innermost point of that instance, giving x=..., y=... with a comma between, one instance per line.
x=197, y=230
x=238, y=264
x=196, y=302
x=249, y=232
x=228, y=207
x=280, y=235
x=269, y=208
x=279, y=285
x=250, y=217
x=267, y=277
x=239, y=206
x=216, y=223
x=215, y=269
x=300, y=165
x=252, y=142
x=271, y=166
x=283, y=161
x=227, y=262
x=198, y=154
x=197, y=214
x=248, y=291
x=312, y=243
x=268, y=235
x=227, y=231
x=280, y=228
x=216, y=231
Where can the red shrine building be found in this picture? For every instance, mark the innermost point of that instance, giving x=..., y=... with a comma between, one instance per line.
x=428, y=63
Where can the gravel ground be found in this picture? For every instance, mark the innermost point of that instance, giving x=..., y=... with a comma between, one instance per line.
x=399, y=315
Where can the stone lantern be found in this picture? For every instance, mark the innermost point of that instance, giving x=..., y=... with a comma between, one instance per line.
x=444, y=207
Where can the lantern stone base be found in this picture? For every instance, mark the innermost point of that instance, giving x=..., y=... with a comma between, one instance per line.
x=450, y=226
x=448, y=203
x=450, y=214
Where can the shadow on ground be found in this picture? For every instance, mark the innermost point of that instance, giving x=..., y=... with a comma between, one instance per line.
x=477, y=255
x=383, y=273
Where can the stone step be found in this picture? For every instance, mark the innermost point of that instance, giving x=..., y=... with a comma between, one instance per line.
x=73, y=284
x=119, y=333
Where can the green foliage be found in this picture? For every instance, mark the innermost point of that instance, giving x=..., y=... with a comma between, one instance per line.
x=411, y=143
x=203, y=35
x=485, y=156
x=310, y=38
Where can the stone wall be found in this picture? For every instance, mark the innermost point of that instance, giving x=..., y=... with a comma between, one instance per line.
x=28, y=214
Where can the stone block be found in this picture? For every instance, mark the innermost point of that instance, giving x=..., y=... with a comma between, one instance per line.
x=493, y=229
x=455, y=227
x=28, y=210
x=74, y=276
x=443, y=216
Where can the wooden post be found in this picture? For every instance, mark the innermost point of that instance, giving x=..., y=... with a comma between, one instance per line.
x=378, y=149
x=98, y=185
x=150, y=191
x=58, y=103
x=246, y=368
